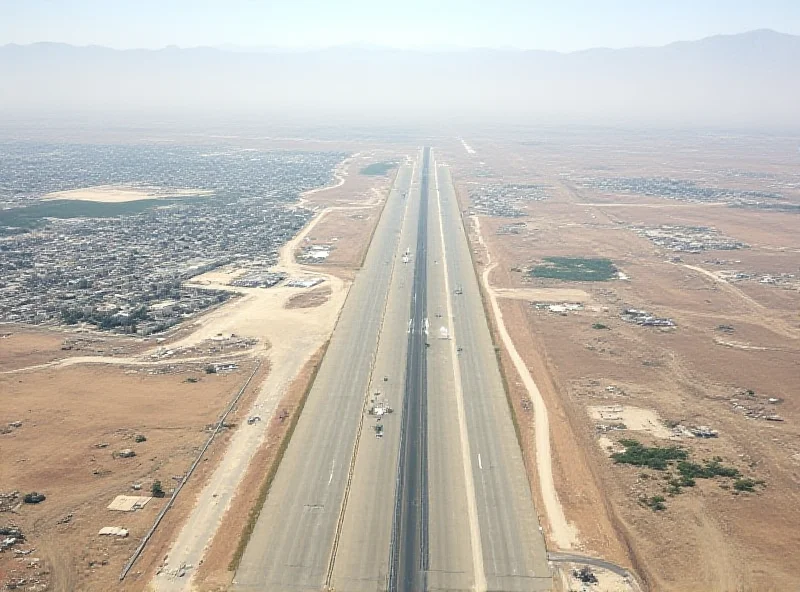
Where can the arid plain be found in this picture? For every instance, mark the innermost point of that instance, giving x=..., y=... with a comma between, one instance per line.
x=715, y=374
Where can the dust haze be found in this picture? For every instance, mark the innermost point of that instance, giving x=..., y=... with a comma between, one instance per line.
x=747, y=80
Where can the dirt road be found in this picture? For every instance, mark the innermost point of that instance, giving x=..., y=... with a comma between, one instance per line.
x=562, y=532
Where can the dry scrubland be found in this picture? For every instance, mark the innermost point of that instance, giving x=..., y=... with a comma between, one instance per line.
x=730, y=337
x=67, y=410
x=67, y=414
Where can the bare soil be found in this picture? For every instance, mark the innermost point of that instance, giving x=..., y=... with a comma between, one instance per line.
x=347, y=231
x=22, y=346
x=73, y=421
x=730, y=337
x=310, y=299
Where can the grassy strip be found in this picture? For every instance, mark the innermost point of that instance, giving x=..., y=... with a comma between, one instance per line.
x=575, y=269
x=378, y=168
x=263, y=491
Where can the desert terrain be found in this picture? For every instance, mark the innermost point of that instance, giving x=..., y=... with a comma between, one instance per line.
x=707, y=361
x=75, y=402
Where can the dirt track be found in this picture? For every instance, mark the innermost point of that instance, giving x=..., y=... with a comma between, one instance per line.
x=562, y=533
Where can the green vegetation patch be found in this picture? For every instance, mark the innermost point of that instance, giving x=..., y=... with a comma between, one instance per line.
x=679, y=471
x=575, y=269
x=746, y=484
x=655, y=503
x=646, y=456
x=378, y=168
x=33, y=216
x=711, y=469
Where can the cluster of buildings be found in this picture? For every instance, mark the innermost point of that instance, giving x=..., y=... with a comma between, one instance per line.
x=127, y=272
x=259, y=279
x=645, y=319
x=789, y=281
x=689, y=239
x=784, y=181
x=678, y=189
x=506, y=200
x=561, y=308
x=316, y=253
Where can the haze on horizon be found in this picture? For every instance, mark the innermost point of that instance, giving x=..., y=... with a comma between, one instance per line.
x=703, y=63
x=564, y=26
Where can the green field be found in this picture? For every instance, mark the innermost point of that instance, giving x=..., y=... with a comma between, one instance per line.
x=33, y=216
x=575, y=269
x=378, y=168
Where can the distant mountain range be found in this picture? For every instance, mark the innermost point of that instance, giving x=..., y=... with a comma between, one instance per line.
x=749, y=79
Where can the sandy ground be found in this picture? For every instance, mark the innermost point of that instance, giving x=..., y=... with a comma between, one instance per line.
x=122, y=193
x=310, y=299
x=73, y=422
x=731, y=337
x=555, y=295
x=634, y=419
x=22, y=347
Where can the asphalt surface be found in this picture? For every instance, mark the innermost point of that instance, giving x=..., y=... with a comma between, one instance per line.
x=440, y=499
x=364, y=548
x=409, y=550
x=512, y=546
x=452, y=558
x=294, y=538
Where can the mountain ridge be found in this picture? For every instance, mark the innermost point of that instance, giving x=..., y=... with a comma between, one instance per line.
x=745, y=79
x=759, y=34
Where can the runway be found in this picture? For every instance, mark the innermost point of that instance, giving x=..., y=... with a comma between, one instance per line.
x=433, y=496
x=409, y=549
x=293, y=540
x=512, y=546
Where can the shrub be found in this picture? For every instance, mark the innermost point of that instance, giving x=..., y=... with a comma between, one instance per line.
x=655, y=503
x=599, y=326
x=644, y=456
x=139, y=438
x=746, y=484
x=712, y=468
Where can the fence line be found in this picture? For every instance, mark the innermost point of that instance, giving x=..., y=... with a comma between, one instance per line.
x=196, y=462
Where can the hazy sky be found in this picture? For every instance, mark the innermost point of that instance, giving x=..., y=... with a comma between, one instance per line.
x=562, y=25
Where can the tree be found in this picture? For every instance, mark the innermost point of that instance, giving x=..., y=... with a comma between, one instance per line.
x=157, y=490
